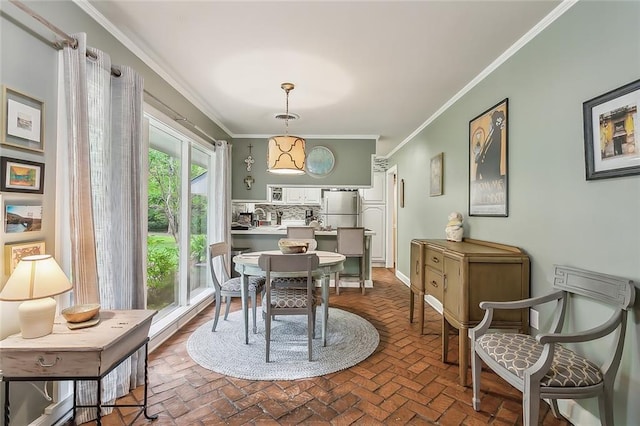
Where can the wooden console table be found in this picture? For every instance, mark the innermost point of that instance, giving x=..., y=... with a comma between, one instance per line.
x=83, y=354
x=460, y=275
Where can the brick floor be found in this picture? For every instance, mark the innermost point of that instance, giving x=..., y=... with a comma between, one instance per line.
x=403, y=382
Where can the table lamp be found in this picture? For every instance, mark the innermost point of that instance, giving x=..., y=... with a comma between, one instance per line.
x=34, y=281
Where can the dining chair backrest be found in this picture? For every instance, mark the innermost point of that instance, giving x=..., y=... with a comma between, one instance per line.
x=351, y=241
x=288, y=262
x=298, y=232
x=215, y=250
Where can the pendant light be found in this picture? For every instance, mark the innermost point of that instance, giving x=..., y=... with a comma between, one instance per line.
x=286, y=154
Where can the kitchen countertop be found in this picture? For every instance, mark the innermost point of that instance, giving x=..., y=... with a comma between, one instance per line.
x=282, y=230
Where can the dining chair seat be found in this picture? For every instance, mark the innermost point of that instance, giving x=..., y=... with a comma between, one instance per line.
x=235, y=284
x=290, y=298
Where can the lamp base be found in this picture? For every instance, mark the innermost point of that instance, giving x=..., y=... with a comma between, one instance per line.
x=36, y=317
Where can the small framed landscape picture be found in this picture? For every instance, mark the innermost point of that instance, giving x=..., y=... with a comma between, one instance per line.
x=21, y=176
x=20, y=218
x=22, y=121
x=16, y=251
x=435, y=184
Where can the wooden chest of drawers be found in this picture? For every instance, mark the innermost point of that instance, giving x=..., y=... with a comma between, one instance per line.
x=459, y=275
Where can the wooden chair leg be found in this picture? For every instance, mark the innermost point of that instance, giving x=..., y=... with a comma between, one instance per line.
x=267, y=334
x=217, y=312
x=338, y=283
x=362, y=274
x=310, y=333
x=605, y=404
x=476, y=366
x=253, y=310
x=228, y=303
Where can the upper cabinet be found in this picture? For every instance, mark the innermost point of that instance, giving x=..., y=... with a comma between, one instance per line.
x=302, y=195
x=375, y=194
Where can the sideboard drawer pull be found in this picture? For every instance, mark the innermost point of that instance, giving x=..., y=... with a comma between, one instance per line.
x=435, y=284
x=42, y=363
x=435, y=259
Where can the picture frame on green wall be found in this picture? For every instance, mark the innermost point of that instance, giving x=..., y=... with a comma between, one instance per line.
x=22, y=121
x=611, y=145
x=435, y=183
x=488, y=168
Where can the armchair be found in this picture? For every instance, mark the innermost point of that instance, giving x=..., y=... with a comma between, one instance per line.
x=541, y=367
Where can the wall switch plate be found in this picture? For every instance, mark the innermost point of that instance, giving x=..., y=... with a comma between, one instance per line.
x=533, y=319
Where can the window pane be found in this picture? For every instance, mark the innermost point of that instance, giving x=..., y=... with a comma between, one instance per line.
x=199, y=219
x=163, y=219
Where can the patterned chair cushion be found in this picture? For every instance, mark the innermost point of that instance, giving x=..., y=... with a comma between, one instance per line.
x=234, y=284
x=300, y=282
x=290, y=298
x=517, y=352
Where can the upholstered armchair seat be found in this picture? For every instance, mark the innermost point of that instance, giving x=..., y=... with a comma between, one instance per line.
x=519, y=352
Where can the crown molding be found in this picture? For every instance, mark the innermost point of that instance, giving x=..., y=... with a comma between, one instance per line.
x=153, y=63
x=515, y=47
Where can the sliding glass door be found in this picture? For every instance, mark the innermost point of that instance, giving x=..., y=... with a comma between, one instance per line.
x=178, y=218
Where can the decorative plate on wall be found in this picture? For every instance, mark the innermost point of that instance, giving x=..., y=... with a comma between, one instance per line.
x=320, y=161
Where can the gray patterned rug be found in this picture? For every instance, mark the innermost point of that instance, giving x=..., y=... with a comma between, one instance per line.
x=350, y=339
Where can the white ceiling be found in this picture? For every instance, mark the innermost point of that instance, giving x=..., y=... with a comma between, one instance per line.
x=361, y=68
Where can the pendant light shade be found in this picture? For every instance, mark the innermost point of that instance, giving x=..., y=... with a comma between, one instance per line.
x=286, y=154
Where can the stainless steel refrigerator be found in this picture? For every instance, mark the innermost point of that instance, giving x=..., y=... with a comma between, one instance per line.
x=340, y=209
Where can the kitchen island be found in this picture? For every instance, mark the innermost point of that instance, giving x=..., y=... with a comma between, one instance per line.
x=264, y=238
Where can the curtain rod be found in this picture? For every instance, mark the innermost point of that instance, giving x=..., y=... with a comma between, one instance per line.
x=73, y=43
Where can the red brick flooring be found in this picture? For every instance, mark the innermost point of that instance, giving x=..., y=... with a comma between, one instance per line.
x=402, y=382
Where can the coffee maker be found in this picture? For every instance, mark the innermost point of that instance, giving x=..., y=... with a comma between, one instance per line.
x=308, y=216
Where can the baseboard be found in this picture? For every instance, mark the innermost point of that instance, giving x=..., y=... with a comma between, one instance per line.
x=577, y=415
x=402, y=277
x=55, y=414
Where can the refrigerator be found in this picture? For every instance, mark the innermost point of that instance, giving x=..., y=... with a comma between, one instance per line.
x=340, y=209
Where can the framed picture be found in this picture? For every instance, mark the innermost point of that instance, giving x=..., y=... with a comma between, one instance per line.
x=14, y=252
x=435, y=184
x=21, y=176
x=488, y=175
x=22, y=120
x=20, y=218
x=610, y=145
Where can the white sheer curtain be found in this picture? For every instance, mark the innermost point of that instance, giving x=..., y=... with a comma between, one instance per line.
x=106, y=158
x=221, y=204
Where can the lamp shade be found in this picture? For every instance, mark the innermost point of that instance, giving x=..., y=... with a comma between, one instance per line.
x=286, y=155
x=35, y=277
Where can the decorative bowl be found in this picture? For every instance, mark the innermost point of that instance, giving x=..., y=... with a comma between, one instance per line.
x=80, y=313
x=292, y=246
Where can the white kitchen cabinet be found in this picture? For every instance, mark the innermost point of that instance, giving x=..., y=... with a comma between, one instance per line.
x=302, y=195
x=375, y=194
x=373, y=218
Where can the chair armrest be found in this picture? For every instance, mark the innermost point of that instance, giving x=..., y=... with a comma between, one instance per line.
x=489, y=306
x=524, y=303
x=582, y=336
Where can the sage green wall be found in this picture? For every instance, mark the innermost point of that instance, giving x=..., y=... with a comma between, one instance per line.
x=31, y=66
x=34, y=74
x=554, y=213
x=352, y=167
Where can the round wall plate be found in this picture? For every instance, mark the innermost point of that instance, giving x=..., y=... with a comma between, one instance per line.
x=320, y=161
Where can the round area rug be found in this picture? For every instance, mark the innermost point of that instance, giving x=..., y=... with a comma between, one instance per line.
x=350, y=339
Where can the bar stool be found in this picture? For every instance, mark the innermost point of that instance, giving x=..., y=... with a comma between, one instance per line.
x=351, y=244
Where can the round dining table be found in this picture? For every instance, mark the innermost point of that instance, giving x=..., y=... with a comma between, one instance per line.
x=247, y=265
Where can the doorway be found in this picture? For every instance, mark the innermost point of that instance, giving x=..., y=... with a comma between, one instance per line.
x=392, y=215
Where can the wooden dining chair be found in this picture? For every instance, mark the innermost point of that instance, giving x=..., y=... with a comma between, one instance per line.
x=290, y=300
x=301, y=232
x=230, y=287
x=351, y=244
x=296, y=281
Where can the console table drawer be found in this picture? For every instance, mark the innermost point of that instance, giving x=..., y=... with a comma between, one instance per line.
x=435, y=284
x=434, y=259
x=50, y=364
